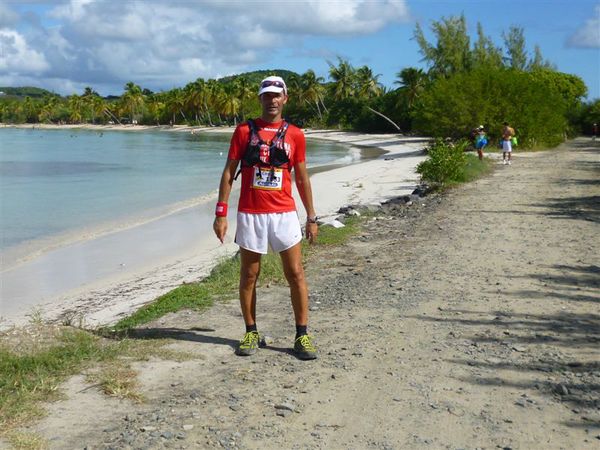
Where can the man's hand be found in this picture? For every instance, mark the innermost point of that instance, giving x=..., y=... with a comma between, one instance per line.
x=220, y=227
x=312, y=230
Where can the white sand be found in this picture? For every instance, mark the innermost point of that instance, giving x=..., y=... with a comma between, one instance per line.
x=101, y=280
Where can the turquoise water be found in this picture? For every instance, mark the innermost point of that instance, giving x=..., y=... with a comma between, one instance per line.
x=58, y=181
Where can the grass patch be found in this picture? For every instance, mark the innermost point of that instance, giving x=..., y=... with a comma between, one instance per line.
x=222, y=282
x=473, y=169
x=26, y=379
x=26, y=441
x=329, y=235
x=31, y=373
x=117, y=380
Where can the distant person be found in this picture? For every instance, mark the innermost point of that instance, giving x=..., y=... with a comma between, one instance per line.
x=481, y=141
x=594, y=131
x=268, y=149
x=507, y=134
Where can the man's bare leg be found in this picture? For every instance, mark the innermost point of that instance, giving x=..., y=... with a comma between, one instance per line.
x=249, y=272
x=294, y=273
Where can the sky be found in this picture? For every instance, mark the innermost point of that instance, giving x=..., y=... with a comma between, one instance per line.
x=67, y=45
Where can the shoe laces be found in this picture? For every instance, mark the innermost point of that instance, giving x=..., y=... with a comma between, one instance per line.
x=306, y=343
x=249, y=338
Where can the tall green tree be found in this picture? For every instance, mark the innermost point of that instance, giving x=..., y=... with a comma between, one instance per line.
x=514, y=42
x=133, y=99
x=412, y=82
x=367, y=83
x=343, y=76
x=485, y=53
x=451, y=52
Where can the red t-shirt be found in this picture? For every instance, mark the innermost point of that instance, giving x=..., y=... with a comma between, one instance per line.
x=259, y=192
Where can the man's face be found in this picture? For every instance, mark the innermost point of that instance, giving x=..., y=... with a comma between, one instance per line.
x=272, y=104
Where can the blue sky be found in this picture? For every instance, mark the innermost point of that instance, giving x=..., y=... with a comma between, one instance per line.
x=66, y=45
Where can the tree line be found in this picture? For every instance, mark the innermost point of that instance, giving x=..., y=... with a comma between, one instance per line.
x=465, y=84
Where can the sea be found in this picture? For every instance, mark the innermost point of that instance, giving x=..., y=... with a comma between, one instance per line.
x=59, y=185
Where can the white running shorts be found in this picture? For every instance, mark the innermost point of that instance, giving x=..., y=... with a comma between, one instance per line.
x=255, y=232
x=506, y=146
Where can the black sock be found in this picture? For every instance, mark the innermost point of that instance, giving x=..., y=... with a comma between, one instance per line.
x=250, y=328
x=301, y=330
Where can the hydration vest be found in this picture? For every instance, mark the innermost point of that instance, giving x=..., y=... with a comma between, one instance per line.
x=276, y=150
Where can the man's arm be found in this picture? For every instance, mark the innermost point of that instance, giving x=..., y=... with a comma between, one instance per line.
x=220, y=223
x=305, y=191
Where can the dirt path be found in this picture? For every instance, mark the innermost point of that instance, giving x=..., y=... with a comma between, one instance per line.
x=468, y=320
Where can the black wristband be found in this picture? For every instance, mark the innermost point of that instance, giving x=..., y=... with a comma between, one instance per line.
x=312, y=219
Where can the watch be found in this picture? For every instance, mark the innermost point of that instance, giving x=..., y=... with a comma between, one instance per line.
x=312, y=219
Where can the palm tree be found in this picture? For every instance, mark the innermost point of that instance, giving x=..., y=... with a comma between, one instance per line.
x=176, y=101
x=367, y=84
x=133, y=98
x=48, y=108
x=312, y=90
x=412, y=83
x=229, y=103
x=343, y=79
x=155, y=107
x=244, y=90
x=75, y=104
x=92, y=102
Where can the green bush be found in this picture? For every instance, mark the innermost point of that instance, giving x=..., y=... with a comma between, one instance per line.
x=445, y=163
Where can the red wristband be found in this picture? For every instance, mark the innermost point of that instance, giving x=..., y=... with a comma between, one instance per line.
x=221, y=210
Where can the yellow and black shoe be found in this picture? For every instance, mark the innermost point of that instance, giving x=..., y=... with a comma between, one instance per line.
x=304, y=348
x=249, y=344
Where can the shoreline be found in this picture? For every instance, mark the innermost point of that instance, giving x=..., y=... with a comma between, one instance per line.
x=124, y=287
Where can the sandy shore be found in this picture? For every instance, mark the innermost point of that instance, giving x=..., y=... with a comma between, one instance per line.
x=100, y=280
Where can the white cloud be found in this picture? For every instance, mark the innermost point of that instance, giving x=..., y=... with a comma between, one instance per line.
x=588, y=36
x=17, y=57
x=161, y=44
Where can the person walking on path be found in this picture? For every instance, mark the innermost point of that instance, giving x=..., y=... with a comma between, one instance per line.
x=594, y=131
x=480, y=141
x=507, y=134
x=268, y=149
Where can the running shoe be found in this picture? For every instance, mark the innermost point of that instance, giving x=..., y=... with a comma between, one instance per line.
x=509, y=163
x=304, y=349
x=249, y=344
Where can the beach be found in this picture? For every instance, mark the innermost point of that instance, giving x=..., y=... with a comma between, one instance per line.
x=99, y=279
x=467, y=319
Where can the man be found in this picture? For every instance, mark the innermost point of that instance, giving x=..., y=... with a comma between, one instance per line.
x=507, y=135
x=268, y=149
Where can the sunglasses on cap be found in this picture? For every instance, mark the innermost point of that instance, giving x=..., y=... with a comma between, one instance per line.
x=268, y=83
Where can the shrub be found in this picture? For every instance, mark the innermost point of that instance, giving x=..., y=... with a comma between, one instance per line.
x=445, y=163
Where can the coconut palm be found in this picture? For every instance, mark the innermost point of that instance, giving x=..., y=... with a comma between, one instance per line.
x=312, y=91
x=343, y=77
x=244, y=91
x=175, y=103
x=229, y=103
x=133, y=99
x=76, y=105
x=367, y=84
x=412, y=82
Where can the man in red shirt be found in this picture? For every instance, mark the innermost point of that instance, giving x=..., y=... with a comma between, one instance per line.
x=268, y=149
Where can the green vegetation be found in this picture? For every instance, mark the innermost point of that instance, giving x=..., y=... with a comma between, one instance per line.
x=27, y=377
x=448, y=164
x=465, y=84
